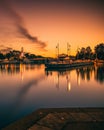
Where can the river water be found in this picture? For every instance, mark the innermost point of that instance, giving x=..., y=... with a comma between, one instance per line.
x=25, y=88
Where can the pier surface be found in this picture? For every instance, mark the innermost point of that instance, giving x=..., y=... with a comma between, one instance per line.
x=61, y=119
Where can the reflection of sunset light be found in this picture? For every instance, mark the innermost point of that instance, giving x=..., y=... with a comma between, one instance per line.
x=95, y=70
x=22, y=69
x=69, y=86
x=12, y=67
x=68, y=83
x=56, y=81
x=85, y=79
x=22, y=77
x=6, y=66
x=79, y=81
x=78, y=78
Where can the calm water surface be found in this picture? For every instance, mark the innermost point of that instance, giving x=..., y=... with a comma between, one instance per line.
x=25, y=88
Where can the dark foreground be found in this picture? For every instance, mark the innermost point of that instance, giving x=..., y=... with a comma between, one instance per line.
x=62, y=119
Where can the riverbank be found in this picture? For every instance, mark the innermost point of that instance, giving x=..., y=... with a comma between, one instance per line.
x=36, y=60
x=61, y=119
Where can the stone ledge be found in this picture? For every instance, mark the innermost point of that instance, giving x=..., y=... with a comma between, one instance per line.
x=61, y=118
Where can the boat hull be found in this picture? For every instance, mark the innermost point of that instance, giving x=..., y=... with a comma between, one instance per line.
x=65, y=66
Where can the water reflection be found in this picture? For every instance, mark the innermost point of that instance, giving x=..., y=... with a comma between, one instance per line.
x=68, y=82
x=83, y=74
x=25, y=88
x=57, y=75
x=16, y=81
x=9, y=69
x=16, y=68
x=99, y=73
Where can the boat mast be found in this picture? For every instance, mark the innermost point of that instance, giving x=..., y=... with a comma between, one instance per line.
x=57, y=50
x=68, y=48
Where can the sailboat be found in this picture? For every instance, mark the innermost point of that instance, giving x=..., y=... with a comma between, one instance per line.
x=63, y=61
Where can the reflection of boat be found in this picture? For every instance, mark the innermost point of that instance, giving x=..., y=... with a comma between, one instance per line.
x=65, y=65
x=58, y=76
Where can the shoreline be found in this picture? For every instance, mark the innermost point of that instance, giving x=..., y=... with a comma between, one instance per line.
x=43, y=61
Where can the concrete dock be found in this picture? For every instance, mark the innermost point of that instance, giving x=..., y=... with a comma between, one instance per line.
x=61, y=119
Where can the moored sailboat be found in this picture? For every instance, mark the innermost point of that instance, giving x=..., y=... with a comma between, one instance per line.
x=64, y=62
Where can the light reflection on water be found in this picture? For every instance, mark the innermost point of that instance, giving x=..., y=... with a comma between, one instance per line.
x=25, y=88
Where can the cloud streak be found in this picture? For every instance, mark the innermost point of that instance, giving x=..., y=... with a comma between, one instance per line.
x=23, y=31
x=33, y=39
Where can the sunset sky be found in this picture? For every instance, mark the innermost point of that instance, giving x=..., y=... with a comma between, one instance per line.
x=38, y=25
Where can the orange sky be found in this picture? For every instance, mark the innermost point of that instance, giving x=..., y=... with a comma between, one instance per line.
x=39, y=26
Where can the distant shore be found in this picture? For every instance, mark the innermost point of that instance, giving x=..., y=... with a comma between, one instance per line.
x=42, y=60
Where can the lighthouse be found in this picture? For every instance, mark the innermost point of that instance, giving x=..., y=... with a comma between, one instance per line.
x=22, y=53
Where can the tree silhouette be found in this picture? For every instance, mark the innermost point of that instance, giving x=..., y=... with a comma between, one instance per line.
x=88, y=53
x=99, y=51
x=2, y=56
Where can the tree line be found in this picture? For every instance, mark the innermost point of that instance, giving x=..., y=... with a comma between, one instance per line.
x=87, y=53
x=15, y=55
x=83, y=53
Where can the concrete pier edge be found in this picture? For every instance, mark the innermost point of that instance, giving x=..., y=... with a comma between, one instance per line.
x=61, y=119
